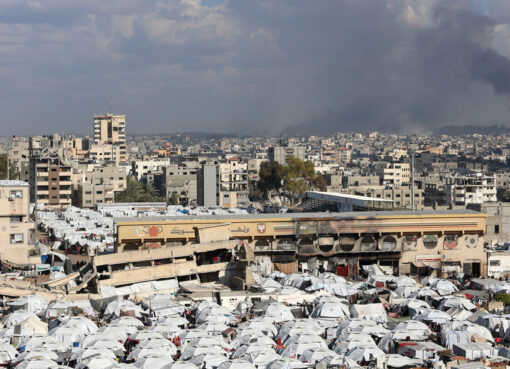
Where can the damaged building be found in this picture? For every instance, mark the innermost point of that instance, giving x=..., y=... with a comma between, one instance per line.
x=407, y=242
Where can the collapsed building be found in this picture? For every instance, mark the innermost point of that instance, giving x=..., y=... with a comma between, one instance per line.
x=407, y=242
x=167, y=251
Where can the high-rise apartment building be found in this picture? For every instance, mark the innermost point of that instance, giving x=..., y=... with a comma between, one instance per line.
x=223, y=184
x=50, y=180
x=110, y=129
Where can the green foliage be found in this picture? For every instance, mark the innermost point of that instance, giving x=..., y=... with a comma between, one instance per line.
x=138, y=192
x=298, y=176
x=270, y=179
x=13, y=170
x=503, y=297
x=254, y=193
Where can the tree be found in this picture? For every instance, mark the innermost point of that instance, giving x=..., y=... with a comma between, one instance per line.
x=13, y=170
x=298, y=176
x=270, y=178
x=319, y=183
x=137, y=192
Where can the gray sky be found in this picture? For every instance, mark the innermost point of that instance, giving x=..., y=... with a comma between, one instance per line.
x=253, y=66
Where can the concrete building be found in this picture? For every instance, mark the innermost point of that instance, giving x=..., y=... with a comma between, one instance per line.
x=397, y=174
x=470, y=189
x=20, y=155
x=50, y=180
x=340, y=242
x=498, y=220
x=110, y=129
x=401, y=196
x=223, y=184
x=142, y=169
x=178, y=182
x=340, y=155
x=17, y=238
x=498, y=264
x=99, y=186
x=208, y=191
x=75, y=148
x=279, y=154
x=105, y=153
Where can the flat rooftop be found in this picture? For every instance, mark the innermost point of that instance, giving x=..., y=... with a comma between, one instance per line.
x=341, y=197
x=303, y=216
x=12, y=183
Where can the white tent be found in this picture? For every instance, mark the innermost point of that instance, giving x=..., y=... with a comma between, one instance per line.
x=32, y=303
x=236, y=364
x=84, y=354
x=331, y=310
x=345, y=343
x=361, y=326
x=364, y=353
x=143, y=352
x=459, y=302
x=434, y=316
x=7, y=353
x=115, y=308
x=38, y=363
x=296, y=327
x=314, y=356
x=96, y=363
x=373, y=312
x=251, y=349
x=278, y=312
x=38, y=353
x=153, y=362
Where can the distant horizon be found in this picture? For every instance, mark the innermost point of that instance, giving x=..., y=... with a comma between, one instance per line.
x=445, y=130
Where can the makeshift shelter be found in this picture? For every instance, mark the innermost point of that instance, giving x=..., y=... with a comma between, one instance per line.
x=375, y=312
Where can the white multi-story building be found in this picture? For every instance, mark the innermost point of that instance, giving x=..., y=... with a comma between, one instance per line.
x=469, y=189
x=223, y=184
x=110, y=129
x=142, y=169
x=397, y=174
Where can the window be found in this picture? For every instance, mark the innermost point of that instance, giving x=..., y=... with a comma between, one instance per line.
x=496, y=229
x=16, y=238
x=494, y=263
x=16, y=194
x=430, y=241
x=16, y=219
x=88, y=192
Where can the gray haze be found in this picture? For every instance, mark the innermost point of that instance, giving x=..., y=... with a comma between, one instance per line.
x=254, y=66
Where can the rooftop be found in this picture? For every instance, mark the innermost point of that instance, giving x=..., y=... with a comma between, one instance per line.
x=305, y=216
x=12, y=183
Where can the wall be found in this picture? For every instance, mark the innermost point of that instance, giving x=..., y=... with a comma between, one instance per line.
x=17, y=253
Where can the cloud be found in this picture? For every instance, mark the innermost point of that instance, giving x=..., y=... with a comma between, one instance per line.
x=254, y=65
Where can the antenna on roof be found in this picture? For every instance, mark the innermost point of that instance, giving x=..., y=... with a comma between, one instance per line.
x=111, y=106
